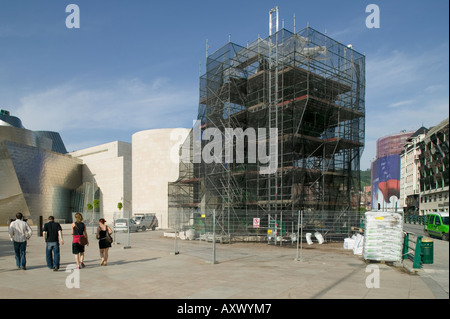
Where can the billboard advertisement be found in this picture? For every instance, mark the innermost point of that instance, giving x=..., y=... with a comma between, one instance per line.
x=386, y=183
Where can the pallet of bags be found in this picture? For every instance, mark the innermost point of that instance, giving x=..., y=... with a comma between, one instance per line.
x=355, y=243
x=358, y=246
x=383, y=236
x=349, y=242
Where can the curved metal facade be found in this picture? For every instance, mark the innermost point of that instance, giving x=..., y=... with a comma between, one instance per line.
x=42, y=139
x=35, y=178
x=57, y=142
x=8, y=120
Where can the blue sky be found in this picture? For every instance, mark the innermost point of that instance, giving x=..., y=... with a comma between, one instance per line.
x=134, y=65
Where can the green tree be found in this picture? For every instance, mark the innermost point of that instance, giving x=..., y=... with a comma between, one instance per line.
x=96, y=204
x=366, y=178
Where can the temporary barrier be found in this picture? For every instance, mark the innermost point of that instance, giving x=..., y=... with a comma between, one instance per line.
x=412, y=249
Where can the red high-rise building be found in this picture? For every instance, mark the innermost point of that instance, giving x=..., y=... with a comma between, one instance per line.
x=386, y=171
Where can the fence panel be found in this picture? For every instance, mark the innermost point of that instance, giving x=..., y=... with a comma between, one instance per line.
x=283, y=228
x=123, y=226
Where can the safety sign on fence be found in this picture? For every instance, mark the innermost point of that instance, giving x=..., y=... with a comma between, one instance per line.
x=256, y=222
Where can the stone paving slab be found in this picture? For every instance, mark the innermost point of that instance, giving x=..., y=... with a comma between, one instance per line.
x=149, y=269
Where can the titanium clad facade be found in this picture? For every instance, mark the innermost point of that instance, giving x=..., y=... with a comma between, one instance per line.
x=36, y=178
x=36, y=182
x=57, y=142
x=7, y=120
x=11, y=196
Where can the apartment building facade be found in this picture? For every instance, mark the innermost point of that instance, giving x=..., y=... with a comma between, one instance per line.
x=409, y=172
x=434, y=170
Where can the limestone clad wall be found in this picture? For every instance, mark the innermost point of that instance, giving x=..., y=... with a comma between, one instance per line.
x=155, y=164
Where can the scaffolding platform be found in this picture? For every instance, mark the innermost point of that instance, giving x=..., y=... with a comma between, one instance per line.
x=311, y=89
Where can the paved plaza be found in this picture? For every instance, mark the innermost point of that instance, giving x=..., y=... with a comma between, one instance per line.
x=150, y=269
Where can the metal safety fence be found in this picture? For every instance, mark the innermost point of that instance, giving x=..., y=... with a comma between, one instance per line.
x=197, y=232
x=283, y=228
x=275, y=226
x=415, y=219
x=412, y=249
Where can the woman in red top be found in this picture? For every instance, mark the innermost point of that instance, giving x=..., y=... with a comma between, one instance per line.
x=79, y=230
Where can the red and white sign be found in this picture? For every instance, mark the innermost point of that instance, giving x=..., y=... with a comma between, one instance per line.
x=256, y=222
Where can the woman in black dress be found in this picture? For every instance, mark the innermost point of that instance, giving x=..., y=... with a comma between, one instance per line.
x=79, y=230
x=103, y=244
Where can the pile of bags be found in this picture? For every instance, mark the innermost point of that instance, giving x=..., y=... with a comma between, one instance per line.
x=383, y=236
x=318, y=236
x=382, y=239
x=355, y=243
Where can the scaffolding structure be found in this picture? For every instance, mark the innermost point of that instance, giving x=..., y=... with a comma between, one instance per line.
x=310, y=89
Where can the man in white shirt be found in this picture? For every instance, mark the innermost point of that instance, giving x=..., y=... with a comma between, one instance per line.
x=20, y=232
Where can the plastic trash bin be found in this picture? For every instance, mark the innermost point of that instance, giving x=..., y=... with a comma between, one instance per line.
x=427, y=249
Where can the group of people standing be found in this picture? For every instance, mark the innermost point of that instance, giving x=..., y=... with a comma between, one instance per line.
x=20, y=232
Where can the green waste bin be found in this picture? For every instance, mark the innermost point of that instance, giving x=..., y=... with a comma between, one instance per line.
x=427, y=249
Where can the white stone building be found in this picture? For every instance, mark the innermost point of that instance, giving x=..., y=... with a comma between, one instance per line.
x=155, y=164
x=108, y=166
x=136, y=174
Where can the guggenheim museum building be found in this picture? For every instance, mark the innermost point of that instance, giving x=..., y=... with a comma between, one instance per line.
x=36, y=175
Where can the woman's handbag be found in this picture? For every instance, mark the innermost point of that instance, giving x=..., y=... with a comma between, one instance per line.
x=81, y=240
x=109, y=239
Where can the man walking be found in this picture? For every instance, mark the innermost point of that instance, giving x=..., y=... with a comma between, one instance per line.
x=52, y=233
x=20, y=232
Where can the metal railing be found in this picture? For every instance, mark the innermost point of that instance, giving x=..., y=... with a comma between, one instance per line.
x=414, y=219
x=412, y=249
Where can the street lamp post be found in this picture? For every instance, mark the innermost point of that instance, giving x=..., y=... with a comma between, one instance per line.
x=129, y=225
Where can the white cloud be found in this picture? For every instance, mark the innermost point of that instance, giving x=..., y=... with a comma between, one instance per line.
x=124, y=104
x=424, y=111
x=401, y=103
x=389, y=72
x=397, y=73
x=404, y=90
